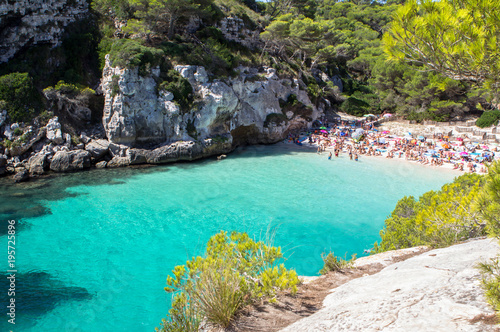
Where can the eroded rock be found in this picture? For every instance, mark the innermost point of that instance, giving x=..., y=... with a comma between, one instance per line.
x=98, y=148
x=65, y=161
x=37, y=164
x=53, y=131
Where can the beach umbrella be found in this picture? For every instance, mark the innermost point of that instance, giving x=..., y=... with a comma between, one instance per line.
x=431, y=151
x=368, y=115
x=385, y=132
x=324, y=128
x=324, y=131
x=460, y=139
x=464, y=153
x=388, y=115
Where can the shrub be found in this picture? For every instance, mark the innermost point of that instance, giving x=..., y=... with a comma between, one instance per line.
x=489, y=200
x=234, y=272
x=7, y=143
x=70, y=89
x=129, y=53
x=275, y=118
x=334, y=263
x=490, y=281
x=115, y=87
x=18, y=131
x=180, y=88
x=20, y=96
x=45, y=116
x=488, y=118
x=437, y=219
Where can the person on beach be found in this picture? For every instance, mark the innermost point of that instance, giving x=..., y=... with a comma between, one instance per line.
x=356, y=157
x=330, y=155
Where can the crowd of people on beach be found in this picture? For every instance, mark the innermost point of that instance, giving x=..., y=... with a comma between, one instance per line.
x=362, y=138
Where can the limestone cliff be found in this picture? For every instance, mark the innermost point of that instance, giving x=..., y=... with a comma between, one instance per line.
x=249, y=108
x=25, y=23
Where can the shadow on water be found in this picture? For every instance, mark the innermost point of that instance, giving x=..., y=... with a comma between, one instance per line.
x=36, y=293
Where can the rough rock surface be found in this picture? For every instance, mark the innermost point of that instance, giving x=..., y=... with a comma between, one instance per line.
x=21, y=176
x=31, y=22
x=53, y=131
x=435, y=291
x=72, y=109
x=98, y=148
x=65, y=161
x=37, y=164
x=248, y=105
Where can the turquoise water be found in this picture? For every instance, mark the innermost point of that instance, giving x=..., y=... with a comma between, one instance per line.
x=94, y=248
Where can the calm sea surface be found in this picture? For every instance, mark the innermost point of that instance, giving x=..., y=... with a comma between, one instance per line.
x=93, y=249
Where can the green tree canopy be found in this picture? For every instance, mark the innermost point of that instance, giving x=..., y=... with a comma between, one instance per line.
x=458, y=38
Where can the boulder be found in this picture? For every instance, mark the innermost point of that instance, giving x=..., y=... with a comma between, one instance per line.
x=65, y=161
x=98, y=148
x=53, y=131
x=3, y=160
x=101, y=164
x=21, y=176
x=180, y=150
x=118, y=162
x=37, y=164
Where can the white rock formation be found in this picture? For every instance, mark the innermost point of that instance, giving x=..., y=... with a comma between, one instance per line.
x=135, y=111
x=435, y=291
x=32, y=22
x=53, y=131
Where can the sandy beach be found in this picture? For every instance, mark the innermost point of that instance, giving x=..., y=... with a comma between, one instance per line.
x=395, y=141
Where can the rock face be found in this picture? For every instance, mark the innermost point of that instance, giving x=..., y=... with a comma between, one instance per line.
x=66, y=161
x=31, y=22
x=135, y=112
x=435, y=291
x=72, y=109
x=97, y=148
x=37, y=164
x=53, y=131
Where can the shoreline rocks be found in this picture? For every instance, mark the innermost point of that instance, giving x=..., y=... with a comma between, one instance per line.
x=66, y=161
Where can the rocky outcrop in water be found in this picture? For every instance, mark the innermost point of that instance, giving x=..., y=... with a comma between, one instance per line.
x=244, y=109
x=25, y=23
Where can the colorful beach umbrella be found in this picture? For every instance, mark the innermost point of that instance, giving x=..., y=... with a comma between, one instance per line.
x=464, y=153
x=388, y=115
x=368, y=115
x=324, y=128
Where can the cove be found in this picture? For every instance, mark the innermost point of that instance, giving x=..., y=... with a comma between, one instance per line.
x=100, y=244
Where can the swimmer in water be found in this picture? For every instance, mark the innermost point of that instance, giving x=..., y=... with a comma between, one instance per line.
x=330, y=155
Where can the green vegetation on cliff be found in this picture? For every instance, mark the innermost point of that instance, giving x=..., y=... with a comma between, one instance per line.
x=19, y=97
x=340, y=50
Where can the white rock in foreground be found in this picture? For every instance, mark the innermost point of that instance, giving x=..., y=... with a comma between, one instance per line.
x=435, y=291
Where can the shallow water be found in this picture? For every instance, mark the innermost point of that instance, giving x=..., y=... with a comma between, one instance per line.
x=94, y=248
